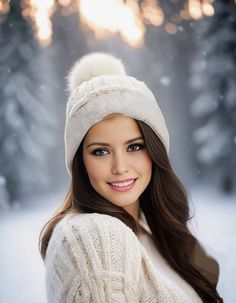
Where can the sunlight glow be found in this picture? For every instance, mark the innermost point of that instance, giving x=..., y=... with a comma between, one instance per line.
x=113, y=16
x=40, y=12
x=64, y=3
x=131, y=28
x=207, y=9
x=195, y=9
x=184, y=14
x=152, y=13
x=171, y=28
x=108, y=17
x=198, y=8
x=4, y=7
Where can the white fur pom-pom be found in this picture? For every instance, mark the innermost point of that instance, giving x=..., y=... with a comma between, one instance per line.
x=92, y=65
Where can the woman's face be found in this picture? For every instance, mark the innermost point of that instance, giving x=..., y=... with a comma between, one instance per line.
x=109, y=159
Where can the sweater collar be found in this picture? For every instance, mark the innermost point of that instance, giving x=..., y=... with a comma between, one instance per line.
x=143, y=222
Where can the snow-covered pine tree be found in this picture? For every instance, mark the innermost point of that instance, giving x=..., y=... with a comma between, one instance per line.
x=25, y=121
x=214, y=81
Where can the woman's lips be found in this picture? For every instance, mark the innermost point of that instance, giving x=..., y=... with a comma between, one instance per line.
x=122, y=188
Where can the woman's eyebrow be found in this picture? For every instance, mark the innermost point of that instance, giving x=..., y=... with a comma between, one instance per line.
x=106, y=144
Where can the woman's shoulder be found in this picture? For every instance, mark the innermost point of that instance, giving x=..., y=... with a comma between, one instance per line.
x=93, y=237
x=92, y=221
x=93, y=254
x=95, y=230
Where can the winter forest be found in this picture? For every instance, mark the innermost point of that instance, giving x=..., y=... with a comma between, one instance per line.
x=184, y=50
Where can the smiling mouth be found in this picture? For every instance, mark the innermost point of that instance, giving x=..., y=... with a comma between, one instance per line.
x=121, y=187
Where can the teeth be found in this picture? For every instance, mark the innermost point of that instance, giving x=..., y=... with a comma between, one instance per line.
x=122, y=184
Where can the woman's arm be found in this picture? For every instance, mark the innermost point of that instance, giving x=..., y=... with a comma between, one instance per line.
x=93, y=258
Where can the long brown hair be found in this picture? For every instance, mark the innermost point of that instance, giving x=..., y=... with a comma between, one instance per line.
x=166, y=208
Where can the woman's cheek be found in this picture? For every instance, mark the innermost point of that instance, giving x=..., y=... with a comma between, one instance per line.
x=144, y=161
x=95, y=167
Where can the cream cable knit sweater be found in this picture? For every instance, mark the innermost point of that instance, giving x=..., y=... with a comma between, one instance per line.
x=96, y=258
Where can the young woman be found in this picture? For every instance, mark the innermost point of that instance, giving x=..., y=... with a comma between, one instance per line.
x=121, y=234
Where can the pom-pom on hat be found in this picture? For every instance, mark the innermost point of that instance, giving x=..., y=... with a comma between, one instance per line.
x=99, y=86
x=92, y=65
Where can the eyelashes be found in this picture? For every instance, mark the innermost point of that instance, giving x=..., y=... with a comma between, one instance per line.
x=100, y=151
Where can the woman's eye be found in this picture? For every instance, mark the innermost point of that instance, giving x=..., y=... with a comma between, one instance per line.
x=102, y=152
x=98, y=152
x=136, y=147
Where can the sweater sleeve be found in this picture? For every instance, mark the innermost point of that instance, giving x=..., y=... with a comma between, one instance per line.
x=93, y=258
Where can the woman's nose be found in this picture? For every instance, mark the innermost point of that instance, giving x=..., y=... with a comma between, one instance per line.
x=119, y=164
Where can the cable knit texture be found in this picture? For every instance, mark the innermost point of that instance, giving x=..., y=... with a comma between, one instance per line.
x=96, y=258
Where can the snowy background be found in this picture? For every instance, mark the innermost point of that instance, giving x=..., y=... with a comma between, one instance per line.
x=22, y=268
x=186, y=53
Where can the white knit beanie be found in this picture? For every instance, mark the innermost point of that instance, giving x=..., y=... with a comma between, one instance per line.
x=98, y=87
